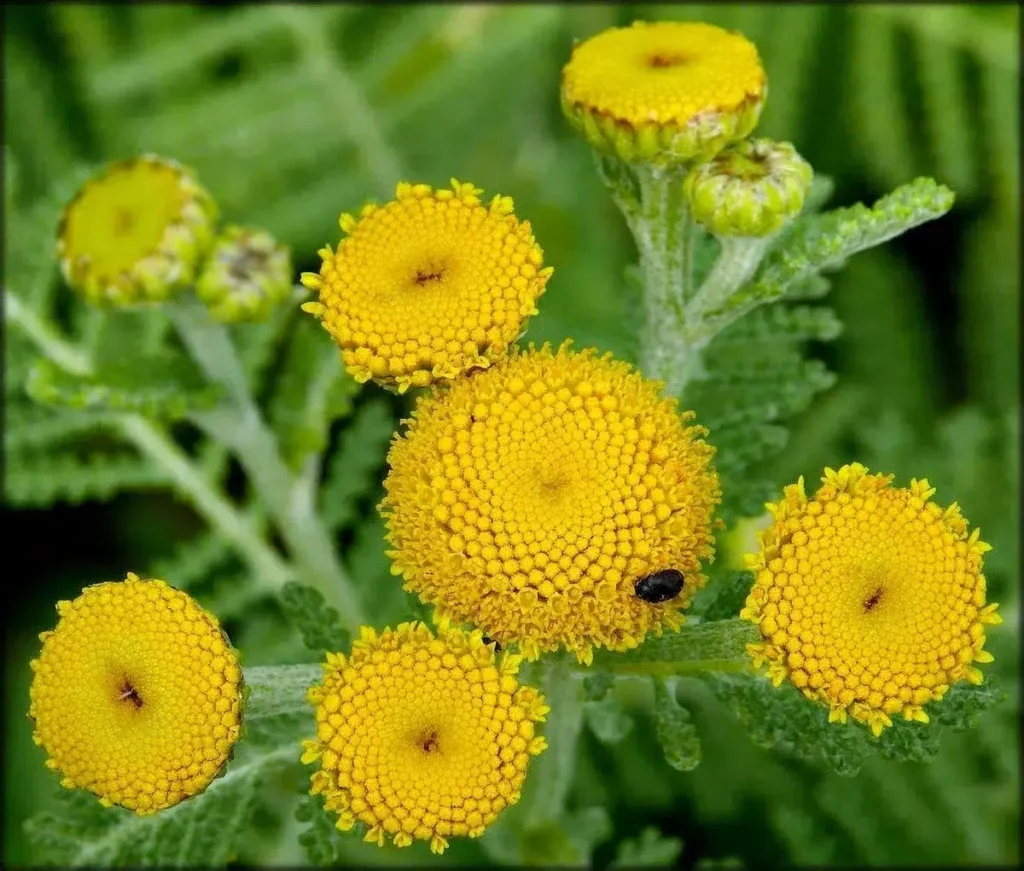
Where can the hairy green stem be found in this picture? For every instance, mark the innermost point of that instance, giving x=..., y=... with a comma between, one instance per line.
x=737, y=262
x=239, y=424
x=222, y=516
x=680, y=669
x=50, y=343
x=651, y=199
x=270, y=569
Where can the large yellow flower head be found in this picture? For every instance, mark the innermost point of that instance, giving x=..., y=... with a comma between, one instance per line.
x=136, y=695
x=422, y=737
x=428, y=286
x=869, y=598
x=136, y=232
x=531, y=499
x=664, y=92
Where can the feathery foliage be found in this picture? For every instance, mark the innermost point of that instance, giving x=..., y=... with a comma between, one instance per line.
x=906, y=358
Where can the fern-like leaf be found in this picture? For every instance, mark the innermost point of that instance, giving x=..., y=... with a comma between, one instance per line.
x=352, y=472
x=38, y=480
x=313, y=392
x=30, y=427
x=165, y=386
x=823, y=242
x=676, y=732
x=205, y=831
x=193, y=561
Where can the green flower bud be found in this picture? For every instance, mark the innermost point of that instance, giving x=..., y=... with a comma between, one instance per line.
x=750, y=189
x=246, y=275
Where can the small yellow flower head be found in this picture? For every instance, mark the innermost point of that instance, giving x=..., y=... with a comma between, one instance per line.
x=664, y=92
x=136, y=232
x=136, y=695
x=428, y=286
x=246, y=275
x=751, y=188
x=528, y=500
x=869, y=598
x=422, y=737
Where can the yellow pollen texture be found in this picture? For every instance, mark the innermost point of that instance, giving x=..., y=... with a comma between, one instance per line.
x=421, y=736
x=665, y=73
x=428, y=286
x=136, y=695
x=529, y=499
x=869, y=598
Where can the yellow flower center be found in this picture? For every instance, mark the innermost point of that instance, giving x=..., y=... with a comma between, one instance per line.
x=530, y=499
x=121, y=218
x=869, y=598
x=136, y=695
x=664, y=72
x=428, y=286
x=422, y=737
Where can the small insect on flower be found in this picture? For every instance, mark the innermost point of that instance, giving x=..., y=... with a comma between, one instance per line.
x=660, y=586
x=136, y=695
x=528, y=499
x=496, y=644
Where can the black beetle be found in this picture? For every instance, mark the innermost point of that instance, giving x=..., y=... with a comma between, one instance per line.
x=497, y=645
x=660, y=586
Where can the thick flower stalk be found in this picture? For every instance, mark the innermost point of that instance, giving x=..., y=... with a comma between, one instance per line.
x=869, y=598
x=136, y=233
x=422, y=736
x=530, y=499
x=428, y=286
x=246, y=275
x=136, y=695
x=664, y=92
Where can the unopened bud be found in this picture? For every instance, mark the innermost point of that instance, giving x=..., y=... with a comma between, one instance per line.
x=246, y=275
x=750, y=189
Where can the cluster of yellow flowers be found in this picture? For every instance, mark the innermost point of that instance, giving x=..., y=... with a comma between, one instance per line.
x=552, y=499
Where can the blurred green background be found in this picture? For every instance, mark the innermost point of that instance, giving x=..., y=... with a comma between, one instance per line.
x=293, y=114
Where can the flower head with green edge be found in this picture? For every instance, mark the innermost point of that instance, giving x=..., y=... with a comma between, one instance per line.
x=869, y=598
x=246, y=275
x=529, y=499
x=136, y=232
x=428, y=286
x=664, y=92
x=751, y=188
x=422, y=736
x=136, y=695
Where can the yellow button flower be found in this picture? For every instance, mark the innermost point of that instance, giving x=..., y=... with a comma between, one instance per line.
x=664, y=92
x=869, y=598
x=428, y=286
x=136, y=232
x=136, y=695
x=531, y=498
x=422, y=737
